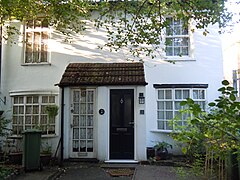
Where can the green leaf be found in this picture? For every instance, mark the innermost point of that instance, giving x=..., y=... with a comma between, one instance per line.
x=229, y=88
x=211, y=104
x=183, y=103
x=225, y=82
x=184, y=150
x=232, y=97
x=222, y=89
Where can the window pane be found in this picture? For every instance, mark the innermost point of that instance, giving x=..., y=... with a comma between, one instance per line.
x=185, y=51
x=168, y=94
x=184, y=31
x=186, y=94
x=75, y=108
x=177, y=105
x=75, y=120
x=21, y=110
x=83, y=133
x=90, y=133
x=160, y=94
x=201, y=94
x=82, y=120
x=160, y=125
x=169, y=115
x=75, y=133
x=29, y=99
x=82, y=146
x=44, y=99
x=169, y=105
x=177, y=30
x=28, y=120
x=35, y=109
x=83, y=96
x=51, y=99
x=90, y=120
x=90, y=108
x=169, y=42
x=76, y=96
x=184, y=42
x=178, y=94
x=160, y=114
x=28, y=109
x=169, y=31
x=169, y=125
x=169, y=51
x=15, y=110
x=160, y=105
x=90, y=96
x=83, y=108
x=178, y=115
x=75, y=146
x=90, y=146
x=176, y=51
x=195, y=94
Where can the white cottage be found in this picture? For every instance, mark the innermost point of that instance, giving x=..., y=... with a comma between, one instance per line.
x=110, y=109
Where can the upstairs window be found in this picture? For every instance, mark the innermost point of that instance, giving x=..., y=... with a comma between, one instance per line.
x=177, y=38
x=36, y=41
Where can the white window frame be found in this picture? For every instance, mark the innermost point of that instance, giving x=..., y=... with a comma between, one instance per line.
x=20, y=114
x=162, y=112
x=180, y=57
x=33, y=30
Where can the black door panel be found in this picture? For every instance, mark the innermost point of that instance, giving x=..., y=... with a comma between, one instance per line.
x=121, y=124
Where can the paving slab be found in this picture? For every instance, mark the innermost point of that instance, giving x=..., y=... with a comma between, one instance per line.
x=89, y=173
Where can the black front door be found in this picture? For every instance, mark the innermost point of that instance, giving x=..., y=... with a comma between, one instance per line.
x=121, y=124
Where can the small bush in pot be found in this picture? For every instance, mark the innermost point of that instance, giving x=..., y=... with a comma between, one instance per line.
x=161, y=150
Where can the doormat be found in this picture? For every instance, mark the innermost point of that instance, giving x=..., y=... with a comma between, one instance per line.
x=120, y=172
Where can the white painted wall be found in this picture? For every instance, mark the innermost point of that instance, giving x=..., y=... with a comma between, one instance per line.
x=205, y=66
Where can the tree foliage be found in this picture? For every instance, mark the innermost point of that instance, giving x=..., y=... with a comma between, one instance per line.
x=135, y=25
x=139, y=25
x=214, y=133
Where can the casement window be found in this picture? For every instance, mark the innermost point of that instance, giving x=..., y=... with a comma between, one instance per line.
x=177, y=39
x=168, y=105
x=29, y=112
x=36, y=41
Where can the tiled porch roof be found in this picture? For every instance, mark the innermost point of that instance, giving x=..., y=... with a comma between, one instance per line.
x=99, y=74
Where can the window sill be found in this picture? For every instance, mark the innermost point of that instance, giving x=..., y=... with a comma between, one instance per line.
x=36, y=64
x=161, y=131
x=177, y=58
x=43, y=136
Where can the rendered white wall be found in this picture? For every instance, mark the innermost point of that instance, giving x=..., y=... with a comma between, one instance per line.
x=205, y=67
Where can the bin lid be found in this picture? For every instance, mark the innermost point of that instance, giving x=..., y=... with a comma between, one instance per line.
x=32, y=131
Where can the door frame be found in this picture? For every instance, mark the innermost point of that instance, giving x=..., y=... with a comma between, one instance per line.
x=134, y=113
x=79, y=154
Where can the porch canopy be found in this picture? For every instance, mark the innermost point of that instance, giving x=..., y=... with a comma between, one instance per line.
x=100, y=74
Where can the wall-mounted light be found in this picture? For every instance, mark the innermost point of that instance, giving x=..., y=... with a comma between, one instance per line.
x=141, y=98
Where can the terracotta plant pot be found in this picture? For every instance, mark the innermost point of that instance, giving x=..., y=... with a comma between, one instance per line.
x=15, y=158
x=45, y=159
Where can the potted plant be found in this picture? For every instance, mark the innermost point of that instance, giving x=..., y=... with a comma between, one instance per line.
x=161, y=150
x=52, y=111
x=46, y=154
x=14, y=152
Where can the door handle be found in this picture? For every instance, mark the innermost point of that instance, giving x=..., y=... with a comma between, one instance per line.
x=131, y=123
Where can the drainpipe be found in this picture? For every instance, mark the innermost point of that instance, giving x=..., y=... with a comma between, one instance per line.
x=0, y=56
x=62, y=127
x=235, y=79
